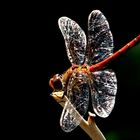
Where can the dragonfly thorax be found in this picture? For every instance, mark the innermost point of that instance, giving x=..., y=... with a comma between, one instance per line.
x=81, y=68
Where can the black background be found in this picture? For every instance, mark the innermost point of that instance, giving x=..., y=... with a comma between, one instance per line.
x=40, y=54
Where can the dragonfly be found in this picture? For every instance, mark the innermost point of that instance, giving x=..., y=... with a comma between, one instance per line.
x=88, y=78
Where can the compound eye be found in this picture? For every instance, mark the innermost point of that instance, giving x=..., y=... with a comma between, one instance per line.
x=57, y=84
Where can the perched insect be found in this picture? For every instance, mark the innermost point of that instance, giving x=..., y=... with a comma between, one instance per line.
x=88, y=76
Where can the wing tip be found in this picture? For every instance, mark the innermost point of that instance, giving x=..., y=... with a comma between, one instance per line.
x=96, y=11
x=62, y=19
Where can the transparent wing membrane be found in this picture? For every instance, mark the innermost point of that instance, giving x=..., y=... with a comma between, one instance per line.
x=69, y=119
x=104, y=90
x=75, y=40
x=78, y=95
x=102, y=85
x=100, y=40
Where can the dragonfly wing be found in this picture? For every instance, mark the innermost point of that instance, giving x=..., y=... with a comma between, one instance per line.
x=103, y=93
x=75, y=40
x=78, y=95
x=100, y=39
x=69, y=119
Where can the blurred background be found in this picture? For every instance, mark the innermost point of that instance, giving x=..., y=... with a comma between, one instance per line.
x=44, y=55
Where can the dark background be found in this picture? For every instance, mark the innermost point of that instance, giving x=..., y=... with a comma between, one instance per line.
x=41, y=54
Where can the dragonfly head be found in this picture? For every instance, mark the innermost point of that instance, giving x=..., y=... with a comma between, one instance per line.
x=56, y=82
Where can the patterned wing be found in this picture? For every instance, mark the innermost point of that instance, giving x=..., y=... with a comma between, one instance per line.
x=78, y=95
x=103, y=93
x=100, y=40
x=75, y=40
